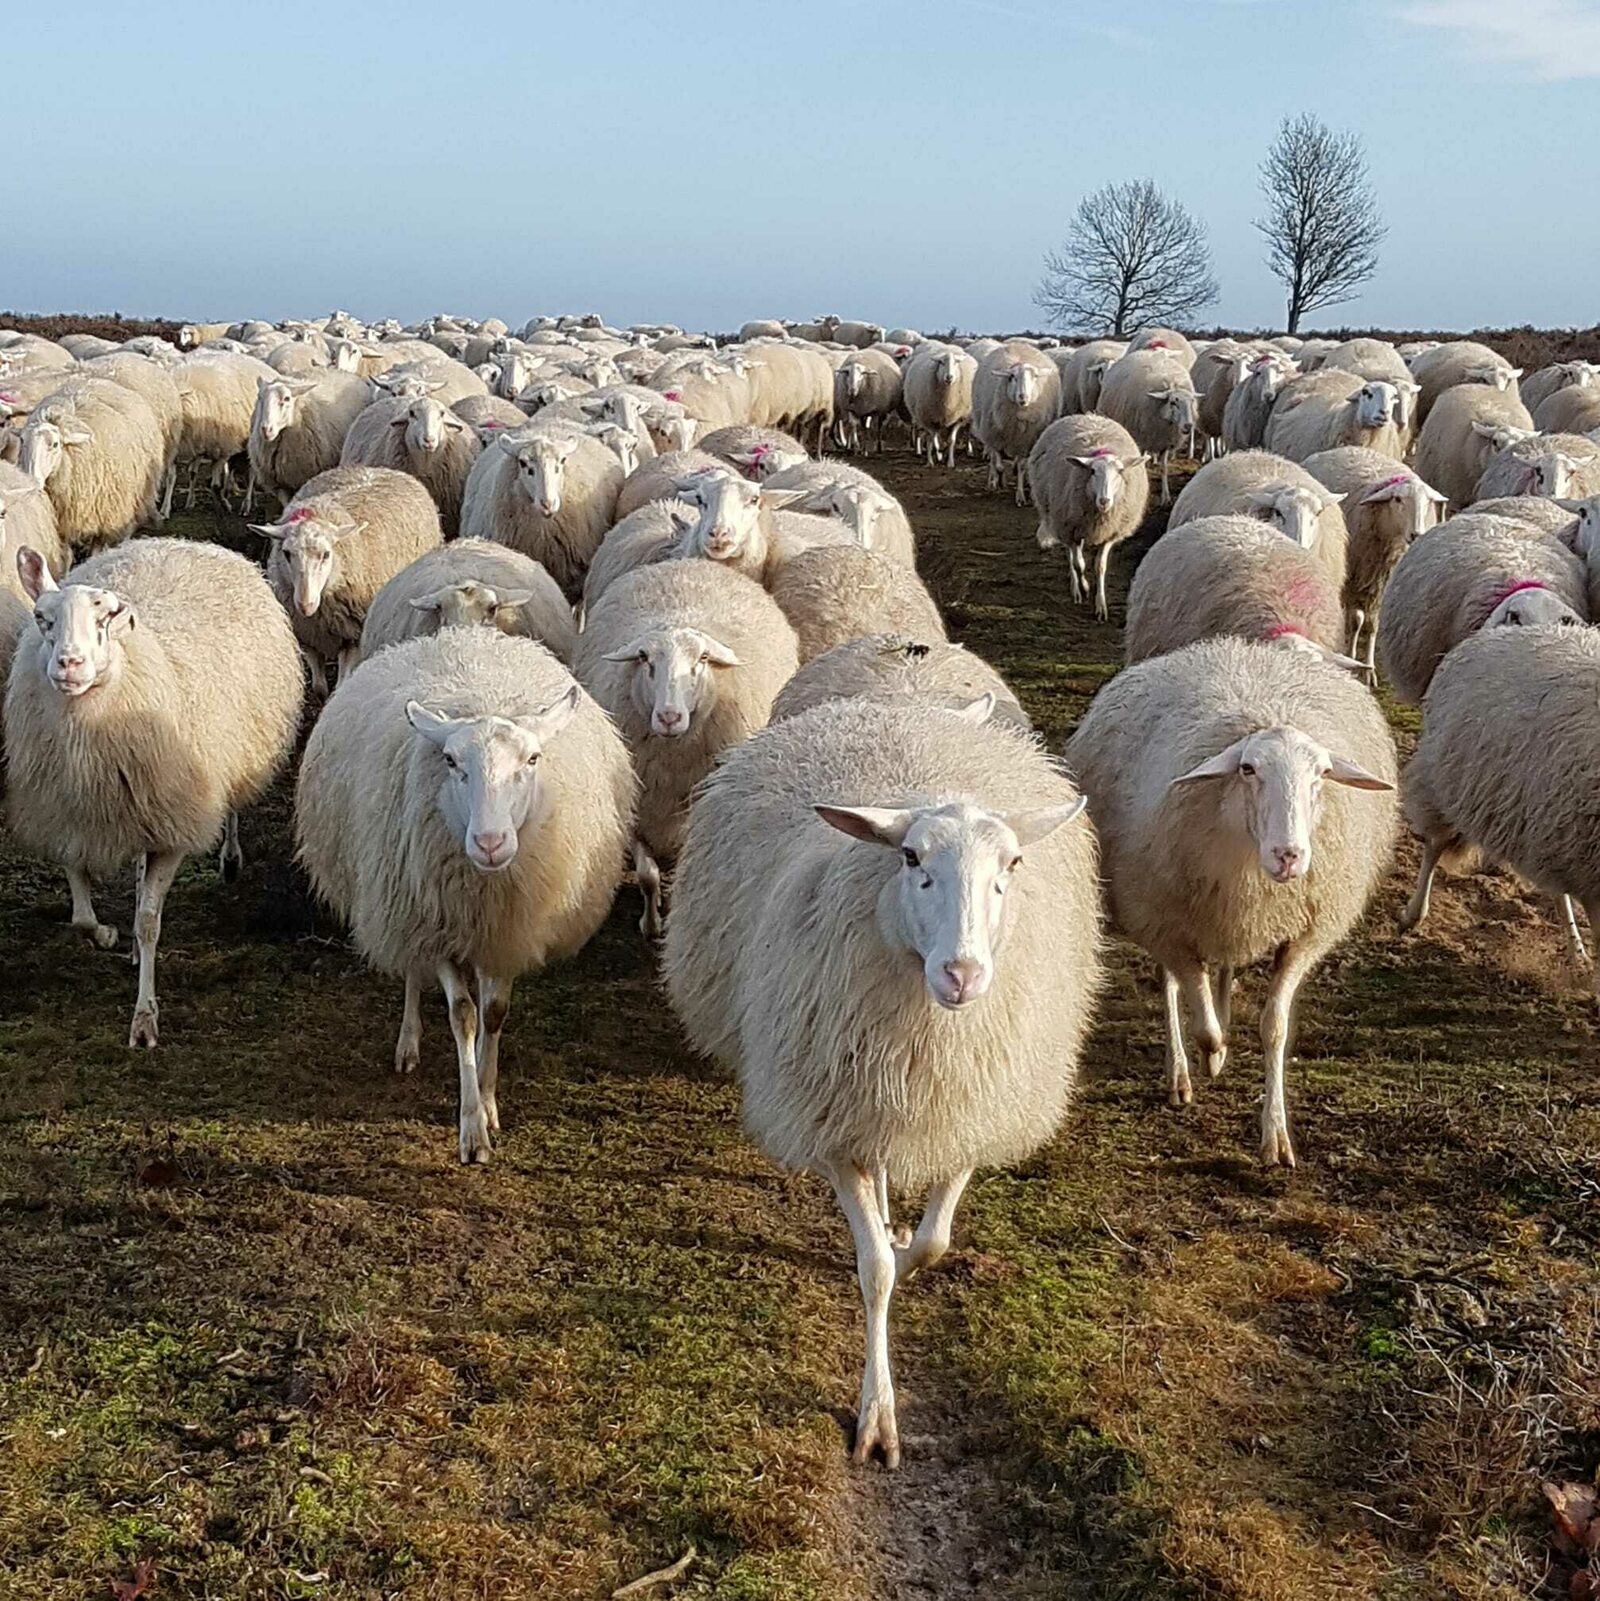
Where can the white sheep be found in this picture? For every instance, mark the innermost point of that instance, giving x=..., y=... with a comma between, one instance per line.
x=1385, y=507
x=1091, y=487
x=839, y=489
x=1249, y=405
x=1226, y=783
x=1232, y=576
x=548, y=490
x=1329, y=408
x=27, y=517
x=938, y=398
x=299, y=427
x=161, y=695
x=471, y=582
x=886, y=922
x=217, y=390
x=340, y=540
x=867, y=392
x=687, y=657
x=1083, y=371
x=1459, y=361
x=1537, y=387
x=1016, y=395
x=1575, y=410
x=1151, y=394
x=1464, y=428
x=1559, y=466
x=421, y=437
x=156, y=387
x=839, y=592
x=659, y=479
x=1467, y=573
x=757, y=452
x=465, y=808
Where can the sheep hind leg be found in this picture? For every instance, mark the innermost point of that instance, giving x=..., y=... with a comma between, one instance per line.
x=881, y=1179
x=1417, y=907
x=876, y=1428
x=456, y=982
x=408, y=1047
x=932, y=1238
x=230, y=861
x=1221, y=981
x=494, y=1006
x=84, y=918
x=1179, y=1090
x=1292, y=964
x=160, y=868
x=1166, y=477
x=317, y=671
x=648, y=872
x=1577, y=952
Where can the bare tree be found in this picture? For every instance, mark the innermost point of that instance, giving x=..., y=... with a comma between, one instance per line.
x=1132, y=257
x=1322, y=226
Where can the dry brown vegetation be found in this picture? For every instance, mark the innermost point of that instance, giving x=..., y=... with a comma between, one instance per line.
x=265, y=1335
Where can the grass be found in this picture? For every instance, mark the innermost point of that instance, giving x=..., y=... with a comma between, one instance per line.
x=265, y=1333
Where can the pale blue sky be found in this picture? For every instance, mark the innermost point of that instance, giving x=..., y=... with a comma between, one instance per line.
x=908, y=161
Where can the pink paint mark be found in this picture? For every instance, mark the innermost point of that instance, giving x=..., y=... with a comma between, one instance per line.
x=1102, y=450
x=673, y=394
x=1158, y=344
x=1392, y=483
x=1281, y=631
x=301, y=514
x=9, y=397
x=1501, y=596
x=1302, y=593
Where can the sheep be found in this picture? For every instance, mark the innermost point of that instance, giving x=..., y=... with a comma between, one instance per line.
x=658, y=479
x=437, y=375
x=162, y=695
x=1091, y=486
x=1507, y=764
x=489, y=414
x=1016, y=394
x=893, y=667
x=465, y=583
x=758, y=453
x=687, y=658
x=839, y=489
x=886, y=922
x=1312, y=353
x=938, y=398
x=859, y=334
x=764, y=328
x=1216, y=373
x=464, y=806
x=1574, y=410
x=1548, y=516
x=340, y=540
x=97, y=450
x=1464, y=428
x=548, y=490
x=1460, y=361
x=1467, y=572
x=299, y=428
x=867, y=392
x=422, y=438
x=1559, y=466
x=27, y=517
x=1196, y=762
x=1164, y=339
x=155, y=386
x=840, y=592
x=217, y=390
x=1329, y=408
x=1538, y=387
x=1150, y=393
x=1377, y=359
x=650, y=534
x=1232, y=576
x=1249, y=404
x=1385, y=507
x=1255, y=483
x=194, y=334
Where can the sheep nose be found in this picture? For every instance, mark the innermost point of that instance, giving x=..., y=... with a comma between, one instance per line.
x=1287, y=859
x=489, y=846
x=668, y=717
x=965, y=979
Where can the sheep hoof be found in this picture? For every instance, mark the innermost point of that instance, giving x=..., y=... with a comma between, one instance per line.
x=491, y=1114
x=475, y=1146
x=230, y=865
x=1180, y=1091
x=1214, y=1060
x=406, y=1058
x=876, y=1430
x=1276, y=1151
x=101, y=935
x=144, y=1034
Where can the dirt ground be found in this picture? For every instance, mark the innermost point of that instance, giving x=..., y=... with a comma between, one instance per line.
x=266, y=1338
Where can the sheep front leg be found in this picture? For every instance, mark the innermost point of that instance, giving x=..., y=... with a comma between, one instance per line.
x=1204, y=1026
x=1179, y=1090
x=932, y=1238
x=648, y=872
x=875, y=1424
x=1417, y=907
x=1102, y=562
x=456, y=982
x=1577, y=954
x=230, y=863
x=1166, y=477
x=84, y=918
x=316, y=671
x=1288, y=970
x=494, y=1005
x=1222, y=1002
x=160, y=868
x=408, y=1047
x=349, y=655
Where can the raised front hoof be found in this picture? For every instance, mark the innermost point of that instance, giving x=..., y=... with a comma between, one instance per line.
x=101, y=935
x=476, y=1147
x=1276, y=1151
x=144, y=1034
x=650, y=924
x=1215, y=1060
x=491, y=1114
x=876, y=1431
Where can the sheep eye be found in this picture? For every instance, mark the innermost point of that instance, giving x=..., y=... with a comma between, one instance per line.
x=1016, y=862
x=450, y=761
x=910, y=857
x=1247, y=769
x=533, y=760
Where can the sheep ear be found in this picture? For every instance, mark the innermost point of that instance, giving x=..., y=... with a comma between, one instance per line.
x=34, y=571
x=1333, y=499
x=123, y=618
x=429, y=603
x=545, y=725
x=274, y=531
x=509, y=443
x=74, y=436
x=1341, y=771
x=718, y=654
x=626, y=653
x=977, y=711
x=1516, y=373
x=433, y=726
x=778, y=499
x=512, y=598
x=1031, y=827
x=1223, y=765
x=1485, y=430
x=681, y=520
x=875, y=825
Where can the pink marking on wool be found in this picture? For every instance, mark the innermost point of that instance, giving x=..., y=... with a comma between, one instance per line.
x=673, y=394
x=1158, y=344
x=9, y=397
x=1280, y=630
x=1501, y=596
x=1302, y=593
x=301, y=514
x=1389, y=483
x=1102, y=450
x=761, y=452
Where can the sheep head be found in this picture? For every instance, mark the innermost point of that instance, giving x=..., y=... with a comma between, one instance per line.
x=81, y=626
x=541, y=464
x=673, y=675
x=309, y=539
x=1106, y=470
x=471, y=604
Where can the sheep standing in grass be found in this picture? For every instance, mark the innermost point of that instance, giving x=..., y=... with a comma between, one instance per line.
x=885, y=921
x=299, y=427
x=1231, y=576
x=1091, y=487
x=465, y=807
x=687, y=657
x=420, y=437
x=1508, y=763
x=938, y=398
x=1151, y=394
x=1329, y=408
x=1386, y=507
x=1249, y=405
x=161, y=695
x=1226, y=782
x=341, y=539
x=218, y=390
x=839, y=592
x=1461, y=576
x=1016, y=395
x=892, y=667
x=548, y=490
x=467, y=583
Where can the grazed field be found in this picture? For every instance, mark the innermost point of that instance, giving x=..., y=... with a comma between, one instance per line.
x=264, y=1334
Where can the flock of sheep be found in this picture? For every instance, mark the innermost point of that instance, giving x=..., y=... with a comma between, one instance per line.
x=592, y=600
